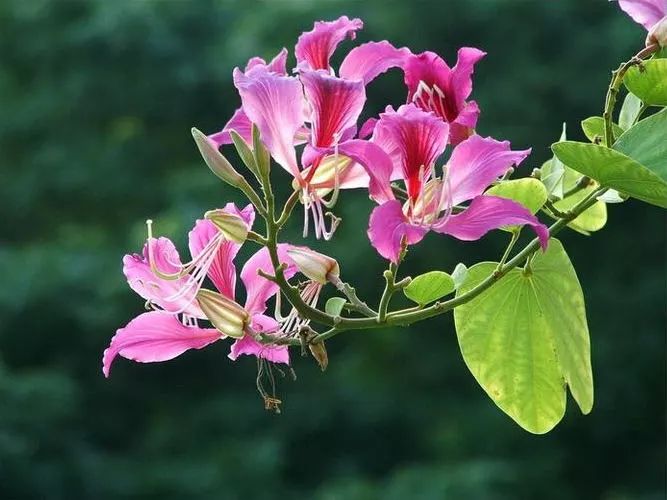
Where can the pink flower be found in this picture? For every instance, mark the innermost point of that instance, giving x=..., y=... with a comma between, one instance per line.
x=645, y=12
x=434, y=86
x=414, y=139
x=173, y=290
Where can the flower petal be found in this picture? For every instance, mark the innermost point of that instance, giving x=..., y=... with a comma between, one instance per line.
x=239, y=123
x=275, y=104
x=414, y=137
x=371, y=59
x=645, y=12
x=163, y=292
x=464, y=125
x=155, y=336
x=335, y=103
x=486, y=213
x=222, y=271
x=249, y=346
x=387, y=226
x=477, y=162
x=376, y=164
x=315, y=47
x=258, y=289
x=277, y=65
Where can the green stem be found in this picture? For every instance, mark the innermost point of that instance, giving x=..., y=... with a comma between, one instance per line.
x=508, y=250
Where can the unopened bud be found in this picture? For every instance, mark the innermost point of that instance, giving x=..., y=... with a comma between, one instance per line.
x=215, y=161
x=232, y=227
x=319, y=352
x=226, y=315
x=314, y=265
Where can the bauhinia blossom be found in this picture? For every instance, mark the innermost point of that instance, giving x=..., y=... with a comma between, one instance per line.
x=414, y=139
x=175, y=292
x=652, y=15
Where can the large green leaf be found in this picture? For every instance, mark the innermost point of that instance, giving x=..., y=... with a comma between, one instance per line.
x=593, y=128
x=429, y=287
x=646, y=143
x=649, y=81
x=530, y=192
x=613, y=169
x=526, y=337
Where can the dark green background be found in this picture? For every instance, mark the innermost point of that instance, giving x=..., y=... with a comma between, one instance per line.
x=96, y=103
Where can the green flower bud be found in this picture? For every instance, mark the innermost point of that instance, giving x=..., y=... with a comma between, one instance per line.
x=215, y=161
x=314, y=265
x=227, y=316
x=232, y=227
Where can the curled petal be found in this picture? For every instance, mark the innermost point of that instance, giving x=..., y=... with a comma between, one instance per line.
x=163, y=292
x=371, y=59
x=277, y=65
x=387, y=226
x=336, y=104
x=461, y=75
x=476, y=163
x=376, y=164
x=249, y=346
x=464, y=125
x=415, y=137
x=367, y=128
x=258, y=289
x=645, y=12
x=275, y=104
x=155, y=336
x=239, y=123
x=486, y=213
x=314, y=48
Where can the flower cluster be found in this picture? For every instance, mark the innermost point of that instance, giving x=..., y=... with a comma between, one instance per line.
x=308, y=121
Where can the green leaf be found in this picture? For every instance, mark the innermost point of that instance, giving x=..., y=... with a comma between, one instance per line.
x=629, y=111
x=552, y=171
x=459, y=274
x=646, y=143
x=613, y=169
x=648, y=81
x=594, y=218
x=593, y=127
x=530, y=192
x=526, y=337
x=334, y=306
x=429, y=287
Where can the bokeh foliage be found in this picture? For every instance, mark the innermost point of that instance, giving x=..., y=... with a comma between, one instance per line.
x=96, y=101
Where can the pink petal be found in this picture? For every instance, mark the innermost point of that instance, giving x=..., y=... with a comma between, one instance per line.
x=259, y=290
x=387, y=226
x=416, y=138
x=275, y=104
x=160, y=291
x=222, y=271
x=155, y=336
x=315, y=47
x=376, y=166
x=277, y=65
x=645, y=12
x=461, y=76
x=486, y=213
x=371, y=59
x=336, y=104
x=464, y=125
x=476, y=163
x=249, y=346
x=239, y=123
x=367, y=128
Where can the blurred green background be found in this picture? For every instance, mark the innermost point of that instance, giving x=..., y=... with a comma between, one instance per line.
x=96, y=102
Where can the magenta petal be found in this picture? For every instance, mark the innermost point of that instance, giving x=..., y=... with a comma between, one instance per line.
x=315, y=47
x=249, y=346
x=371, y=59
x=336, y=104
x=163, y=292
x=275, y=104
x=239, y=123
x=277, y=65
x=259, y=290
x=387, y=226
x=486, y=213
x=476, y=163
x=461, y=75
x=375, y=162
x=367, y=128
x=155, y=336
x=644, y=12
x=415, y=137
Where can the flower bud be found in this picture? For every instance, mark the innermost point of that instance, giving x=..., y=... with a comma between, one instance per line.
x=314, y=265
x=232, y=227
x=319, y=352
x=215, y=161
x=226, y=315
